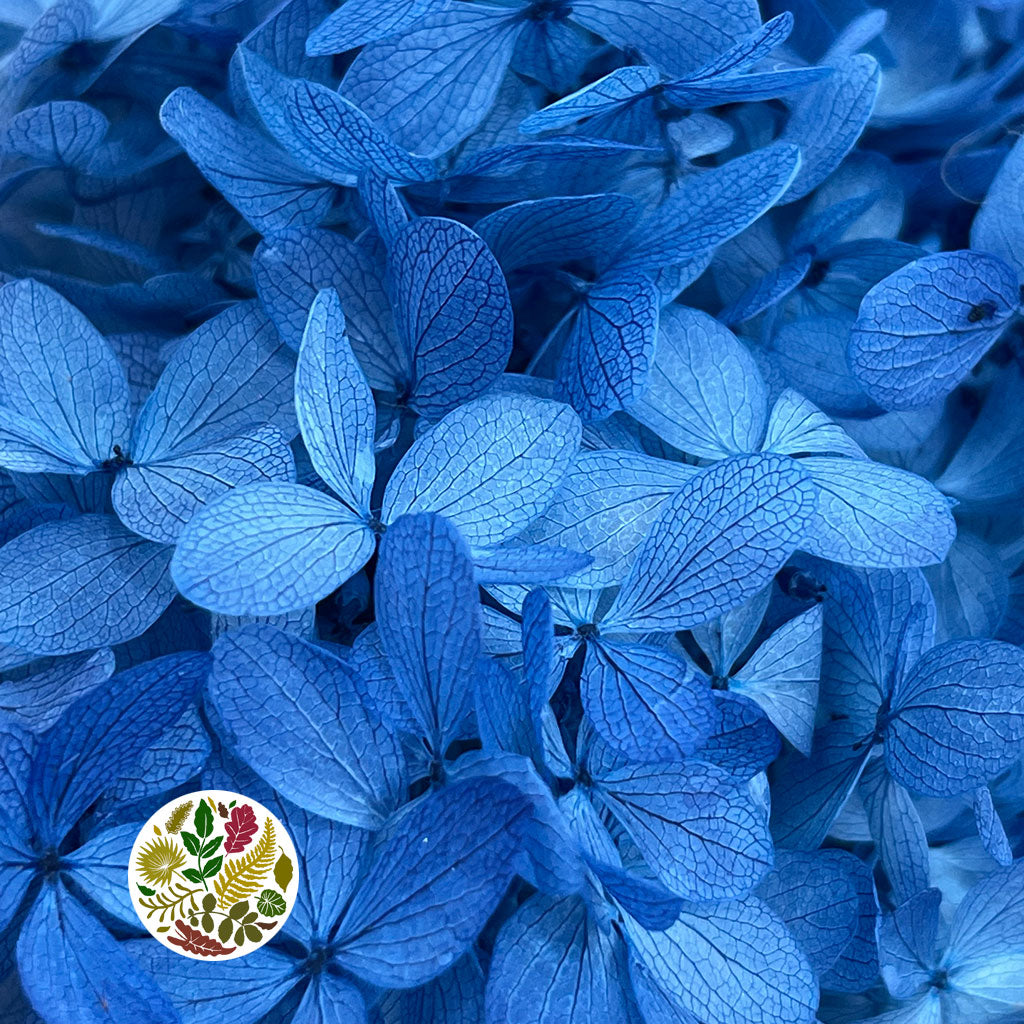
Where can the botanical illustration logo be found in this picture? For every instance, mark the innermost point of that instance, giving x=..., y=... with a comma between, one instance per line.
x=213, y=875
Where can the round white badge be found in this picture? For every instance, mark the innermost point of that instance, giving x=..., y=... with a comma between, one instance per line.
x=213, y=875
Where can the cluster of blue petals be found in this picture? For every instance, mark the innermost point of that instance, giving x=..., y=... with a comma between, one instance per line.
x=564, y=457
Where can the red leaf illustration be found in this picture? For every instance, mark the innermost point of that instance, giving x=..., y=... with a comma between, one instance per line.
x=240, y=829
x=194, y=941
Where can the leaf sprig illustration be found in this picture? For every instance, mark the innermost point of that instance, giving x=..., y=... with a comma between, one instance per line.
x=243, y=876
x=176, y=900
x=202, y=847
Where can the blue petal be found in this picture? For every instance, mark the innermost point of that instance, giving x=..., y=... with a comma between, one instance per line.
x=157, y=498
x=88, y=582
x=428, y=613
x=709, y=208
x=230, y=376
x=74, y=972
x=556, y=230
x=906, y=942
x=490, y=466
x=325, y=133
x=957, y=717
x=64, y=400
x=705, y=394
x=606, y=95
x=291, y=266
x=675, y=37
x=645, y=702
x=922, y=328
x=731, y=963
x=717, y=542
x=896, y=827
x=433, y=85
x=61, y=133
x=997, y=225
x=257, y=177
x=604, y=507
x=876, y=516
x=984, y=956
x=204, y=992
x=38, y=700
x=554, y=963
x=359, y=22
x=276, y=694
x=103, y=735
x=452, y=310
x=814, y=893
x=458, y=845
x=699, y=828
x=828, y=120
x=269, y=548
x=608, y=353
x=782, y=677
x=990, y=827
x=335, y=406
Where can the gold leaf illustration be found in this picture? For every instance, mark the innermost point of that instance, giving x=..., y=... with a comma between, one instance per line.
x=178, y=817
x=242, y=876
x=283, y=871
x=158, y=860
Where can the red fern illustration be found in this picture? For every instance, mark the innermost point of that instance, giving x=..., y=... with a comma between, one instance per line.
x=194, y=941
x=240, y=829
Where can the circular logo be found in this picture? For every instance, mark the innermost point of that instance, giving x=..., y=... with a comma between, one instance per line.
x=213, y=875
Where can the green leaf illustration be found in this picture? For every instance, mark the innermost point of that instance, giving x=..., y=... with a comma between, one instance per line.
x=271, y=904
x=145, y=891
x=210, y=848
x=192, y=843
x=283, y=871
x=211, y=867
x=203, y=820
x=192, y=875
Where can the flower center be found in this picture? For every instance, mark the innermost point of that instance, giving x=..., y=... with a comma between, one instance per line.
x=548, y=10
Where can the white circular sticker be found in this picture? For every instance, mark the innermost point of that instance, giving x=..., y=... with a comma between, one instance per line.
x=213, y=875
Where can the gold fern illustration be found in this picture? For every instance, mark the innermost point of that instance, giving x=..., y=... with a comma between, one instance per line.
x=242, y=876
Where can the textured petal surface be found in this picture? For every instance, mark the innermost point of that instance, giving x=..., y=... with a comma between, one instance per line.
x=269, y=548
x=70, y=586
x=922, y=328
x=715, y=543
x=276, y=694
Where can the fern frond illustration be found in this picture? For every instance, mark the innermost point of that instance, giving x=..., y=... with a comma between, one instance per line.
x=178, y=817
x=176, y=901
x=242, y=876
x=158, y=860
